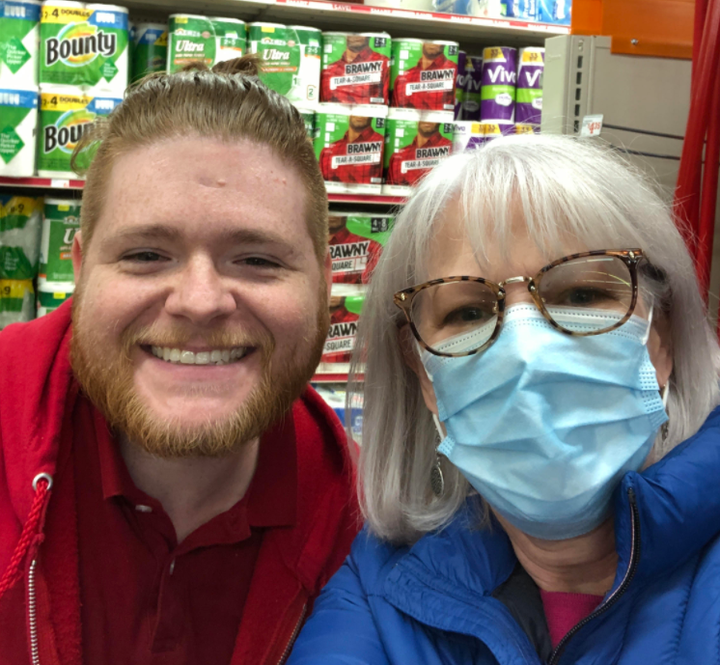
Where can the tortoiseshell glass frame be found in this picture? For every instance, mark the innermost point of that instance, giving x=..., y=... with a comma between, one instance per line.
x=631, y=257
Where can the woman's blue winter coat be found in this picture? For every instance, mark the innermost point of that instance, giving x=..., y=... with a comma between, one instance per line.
x=432, y=603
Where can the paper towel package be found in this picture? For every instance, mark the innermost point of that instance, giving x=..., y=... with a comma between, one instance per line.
x=19, y=34
x=19, y=110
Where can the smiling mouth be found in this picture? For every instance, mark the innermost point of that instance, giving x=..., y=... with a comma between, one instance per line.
x=213, y=357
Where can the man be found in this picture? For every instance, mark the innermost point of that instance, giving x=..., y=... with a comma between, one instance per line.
x=171, y=490
x=430, y=84
x=362, y=164
x=428, y=149
x=360, y=76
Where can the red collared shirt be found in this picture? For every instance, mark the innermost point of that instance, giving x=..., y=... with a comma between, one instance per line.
x=431, y=89
x=409, y=164
x=145, y=598
x=339, y=163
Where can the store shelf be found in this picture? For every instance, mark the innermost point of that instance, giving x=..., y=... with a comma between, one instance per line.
x=57, y=183
x=41, y=183
x=355, y=17
x=333, y=373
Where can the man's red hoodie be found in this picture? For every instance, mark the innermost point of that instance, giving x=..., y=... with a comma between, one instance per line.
x=39, y=549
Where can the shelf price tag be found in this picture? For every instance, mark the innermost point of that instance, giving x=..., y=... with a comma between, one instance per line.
x=591, y=125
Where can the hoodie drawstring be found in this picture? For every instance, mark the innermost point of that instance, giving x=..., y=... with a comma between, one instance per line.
x=41, y=484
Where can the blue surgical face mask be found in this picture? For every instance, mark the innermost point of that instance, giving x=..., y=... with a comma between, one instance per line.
x=543, y=424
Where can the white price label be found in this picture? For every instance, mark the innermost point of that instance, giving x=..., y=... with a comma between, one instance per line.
x=591, y=125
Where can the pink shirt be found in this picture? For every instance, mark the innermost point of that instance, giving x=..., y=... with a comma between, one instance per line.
x=563, y=611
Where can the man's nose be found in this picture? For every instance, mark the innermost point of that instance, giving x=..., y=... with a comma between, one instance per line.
x=201, y=293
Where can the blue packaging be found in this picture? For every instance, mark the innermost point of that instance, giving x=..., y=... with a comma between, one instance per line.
x=554, y=11
x=526, y=10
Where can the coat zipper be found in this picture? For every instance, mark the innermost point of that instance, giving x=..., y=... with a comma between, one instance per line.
x=32, y=615
x=630, y=573
x=293, y=635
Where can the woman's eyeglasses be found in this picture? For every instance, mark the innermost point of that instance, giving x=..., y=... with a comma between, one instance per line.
x=582, y=294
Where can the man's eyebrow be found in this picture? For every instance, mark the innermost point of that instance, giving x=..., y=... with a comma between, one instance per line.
x=228, y=237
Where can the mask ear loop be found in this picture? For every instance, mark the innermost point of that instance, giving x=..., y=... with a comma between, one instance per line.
x=665, y=394
x=437, y=481
x=646, y=336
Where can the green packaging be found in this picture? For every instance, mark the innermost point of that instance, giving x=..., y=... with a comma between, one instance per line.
x=51, y=295
x=20, y=227
x=16, y=301
x=349, y=143
x=423, y=74
x=84, y=45
x=60, y=224
x=19, y=33
x=64, y=118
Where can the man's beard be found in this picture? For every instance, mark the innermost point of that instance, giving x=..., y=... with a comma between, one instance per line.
x=109, y=385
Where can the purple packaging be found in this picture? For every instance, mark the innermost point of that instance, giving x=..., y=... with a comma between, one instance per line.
x=472, y=88
x=459, y=82
x=499, y=76
x=529, y=93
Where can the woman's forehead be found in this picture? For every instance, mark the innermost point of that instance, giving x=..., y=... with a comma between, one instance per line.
x=478, y=245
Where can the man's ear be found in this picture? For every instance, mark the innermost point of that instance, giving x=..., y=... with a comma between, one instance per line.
x=77, y=256
x=411, y=357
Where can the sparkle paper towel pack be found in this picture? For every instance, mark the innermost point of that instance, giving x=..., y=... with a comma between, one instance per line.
x=499, y=77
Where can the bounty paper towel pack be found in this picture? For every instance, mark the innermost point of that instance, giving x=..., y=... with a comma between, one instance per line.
x=355, y=68
x=18, y=126
x=16, y=301
x=289, y=60
x=422, y=74
x=20, y=227
x=349, y=143
x=65, y=115
x=84, y=45
x=529, y=93
x=355, y=244
x=150, y=49
x=499, y=76
x=61, y=221
x=19, y=34
x=415, y=142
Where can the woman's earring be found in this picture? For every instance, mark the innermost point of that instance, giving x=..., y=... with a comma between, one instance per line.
x=437, y=482
x=664, y=393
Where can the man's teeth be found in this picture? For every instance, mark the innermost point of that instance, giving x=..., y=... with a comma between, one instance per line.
x=214, y=357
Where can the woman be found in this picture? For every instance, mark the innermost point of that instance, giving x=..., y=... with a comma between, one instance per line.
x=541, y=452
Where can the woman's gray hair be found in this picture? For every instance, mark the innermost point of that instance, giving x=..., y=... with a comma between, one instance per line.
x=562, y=187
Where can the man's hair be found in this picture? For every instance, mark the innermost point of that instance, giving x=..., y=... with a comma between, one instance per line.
x=227, y=102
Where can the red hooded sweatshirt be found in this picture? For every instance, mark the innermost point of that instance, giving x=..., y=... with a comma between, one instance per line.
x=39, y=581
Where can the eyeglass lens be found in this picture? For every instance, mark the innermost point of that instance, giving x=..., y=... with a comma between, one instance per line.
x=589, y=294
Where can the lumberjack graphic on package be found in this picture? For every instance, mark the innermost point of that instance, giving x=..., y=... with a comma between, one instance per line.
x=355, y=68
x=345, y=306
x=355, y=242
x=423, y=73
x=415, y=143
x=349, y=142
